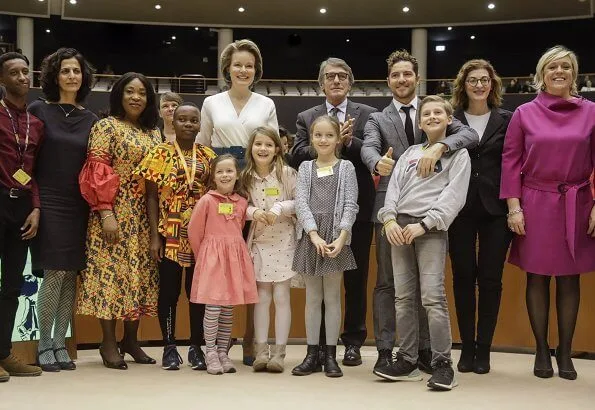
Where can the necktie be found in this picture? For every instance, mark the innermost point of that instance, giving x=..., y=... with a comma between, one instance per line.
x=335, y=113
x=408, y=125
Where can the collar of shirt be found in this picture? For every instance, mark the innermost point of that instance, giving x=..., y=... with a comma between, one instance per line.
x=342, y=109
x=412, y=112
x=269, y=178
x=13, y=107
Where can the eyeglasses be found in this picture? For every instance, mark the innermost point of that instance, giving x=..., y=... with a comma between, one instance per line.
x=474, y=81
x=331, y=76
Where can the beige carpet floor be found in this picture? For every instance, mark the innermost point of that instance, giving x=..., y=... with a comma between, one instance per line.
x=510, y=385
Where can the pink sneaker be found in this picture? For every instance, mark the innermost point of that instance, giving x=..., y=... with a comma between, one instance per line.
x=226, y=362
x=213, y=363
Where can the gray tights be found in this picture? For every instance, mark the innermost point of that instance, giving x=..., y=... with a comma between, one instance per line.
x=325, y=288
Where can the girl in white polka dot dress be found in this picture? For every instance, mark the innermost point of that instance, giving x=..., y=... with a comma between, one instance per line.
x=270, y=185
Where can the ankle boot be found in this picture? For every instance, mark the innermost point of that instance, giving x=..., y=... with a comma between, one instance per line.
x=467, y=359
x=331, y=367
x=482, y=359
x=276, y=364
x=261, y=357
x=310, y=363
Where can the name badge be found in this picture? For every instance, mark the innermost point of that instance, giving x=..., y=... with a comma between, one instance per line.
x=324, y=171
x=274, y=191
x=22, y=177
x=225, y=209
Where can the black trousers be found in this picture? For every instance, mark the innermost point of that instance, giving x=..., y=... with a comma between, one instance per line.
x=13, y=254
x=355, y=283
x=170, y=286
x=478, y=243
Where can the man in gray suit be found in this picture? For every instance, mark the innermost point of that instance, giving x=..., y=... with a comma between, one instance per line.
x=387, y=135
x=336, y=78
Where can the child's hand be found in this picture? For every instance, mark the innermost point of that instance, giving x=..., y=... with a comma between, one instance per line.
x=319, y=243
x=394, y=234
x=271, y=217
x=335, y=247
x=412, y=231
x=156, y=248
x=260, y=216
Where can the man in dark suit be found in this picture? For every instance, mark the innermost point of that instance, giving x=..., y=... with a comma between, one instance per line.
x=387, y=136
x=336, y=78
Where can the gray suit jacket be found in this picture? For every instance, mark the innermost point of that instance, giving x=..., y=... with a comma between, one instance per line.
x=385, y=129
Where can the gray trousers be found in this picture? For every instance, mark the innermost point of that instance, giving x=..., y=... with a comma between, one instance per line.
x=419, y=268
x=385, y=324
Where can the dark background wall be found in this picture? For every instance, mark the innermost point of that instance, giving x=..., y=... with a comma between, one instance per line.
x=295, y=54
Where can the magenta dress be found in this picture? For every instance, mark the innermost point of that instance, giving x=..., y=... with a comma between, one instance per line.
x=548, y=157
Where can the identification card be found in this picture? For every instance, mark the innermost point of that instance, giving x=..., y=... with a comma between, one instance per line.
x=273, y=191
x=225, y=209
x=324, y=171
x=22, y=177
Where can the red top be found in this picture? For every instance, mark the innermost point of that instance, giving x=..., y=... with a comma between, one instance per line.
x=9, y=151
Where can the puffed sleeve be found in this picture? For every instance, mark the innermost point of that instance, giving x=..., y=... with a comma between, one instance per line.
x=98, y=182
x=157, y=165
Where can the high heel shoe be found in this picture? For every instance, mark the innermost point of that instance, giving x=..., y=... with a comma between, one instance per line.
x=138, y=359
x=568, y=373
x=545, y=369
x=64, y=365
x=119, y=365
x=47, y=367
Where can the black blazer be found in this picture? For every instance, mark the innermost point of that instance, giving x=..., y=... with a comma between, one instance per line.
x=301, y=150
x=486, y=164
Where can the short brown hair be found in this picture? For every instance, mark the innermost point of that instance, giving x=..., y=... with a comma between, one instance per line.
x=241, y=45
x=437, y=99
x=459, y=95
x=170, y=96
x=402, y=55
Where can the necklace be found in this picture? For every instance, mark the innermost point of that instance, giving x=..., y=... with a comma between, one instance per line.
x=64, y=111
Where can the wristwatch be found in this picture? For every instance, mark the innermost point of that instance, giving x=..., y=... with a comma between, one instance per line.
x=423, y=225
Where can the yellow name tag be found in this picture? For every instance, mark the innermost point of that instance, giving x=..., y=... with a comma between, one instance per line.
x=274, y=191
x=324, y=171
x=22, y=177
x=226, y=209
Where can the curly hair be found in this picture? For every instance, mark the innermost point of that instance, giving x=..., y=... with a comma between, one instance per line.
x=459, y=95
x=150, y=115
x=402, y=55
x=50, y=70
x=236, y=46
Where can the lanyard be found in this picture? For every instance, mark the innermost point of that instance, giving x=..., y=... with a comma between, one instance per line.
x=189, y=175
x=21, y=150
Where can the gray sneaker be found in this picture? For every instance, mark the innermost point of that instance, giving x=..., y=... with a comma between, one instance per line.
x=401, y=370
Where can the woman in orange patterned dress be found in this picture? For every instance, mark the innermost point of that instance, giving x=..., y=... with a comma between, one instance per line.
x=121, y=281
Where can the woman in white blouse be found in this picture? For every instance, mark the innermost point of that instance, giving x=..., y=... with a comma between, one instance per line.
x=228, y=118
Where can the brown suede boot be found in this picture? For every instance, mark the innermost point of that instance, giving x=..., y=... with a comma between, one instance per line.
x=277, y=364
x=4, y=376
x=16, y=368
x=261, y=357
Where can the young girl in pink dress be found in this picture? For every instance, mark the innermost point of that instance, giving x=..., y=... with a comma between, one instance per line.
x=224, y=275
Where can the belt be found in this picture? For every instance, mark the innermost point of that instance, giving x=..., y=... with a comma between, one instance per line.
x=15, y=193
x=570, y=191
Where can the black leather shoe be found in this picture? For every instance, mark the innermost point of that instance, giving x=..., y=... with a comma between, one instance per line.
x=482, y=359
x=565, y=370
x=543, y=365
x=310, y=364
x=48, y=367
x=140, y=359
x=196, y=358
x=331, y=367
x=119, y=365
x=384, y=362
x=321, y=354
x=467, y=360
x=352, y=356
x=424, y=361
x=65, y=365
x=171, y=358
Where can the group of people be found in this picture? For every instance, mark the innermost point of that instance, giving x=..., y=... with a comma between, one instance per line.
x=213, y=199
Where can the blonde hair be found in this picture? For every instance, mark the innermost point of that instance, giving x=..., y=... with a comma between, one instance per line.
x=247, y=175
x=170, y=97
x=437, y=99
x=241, y=45
x=555, y=53
x=460, y=99
x=336, y=127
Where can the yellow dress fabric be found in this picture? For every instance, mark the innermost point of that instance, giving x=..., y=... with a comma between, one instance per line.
x=121, y=280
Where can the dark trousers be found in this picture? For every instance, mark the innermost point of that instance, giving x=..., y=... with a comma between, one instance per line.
x=355, y=283
x=13, y=254
x=482, y=266
x=170, y=286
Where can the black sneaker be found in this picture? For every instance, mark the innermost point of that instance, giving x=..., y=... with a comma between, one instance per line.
x=424, y=361
x=401, y=370
x=443, y=378
x=352, y=356
x=384, y=362
x=196, y=358
x=171, y=358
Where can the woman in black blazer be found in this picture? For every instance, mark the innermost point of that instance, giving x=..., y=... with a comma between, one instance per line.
x=477, y=96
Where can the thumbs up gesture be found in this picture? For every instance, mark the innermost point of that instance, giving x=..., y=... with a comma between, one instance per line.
x=386, y=164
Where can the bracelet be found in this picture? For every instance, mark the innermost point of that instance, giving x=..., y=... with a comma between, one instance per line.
x=515, y=211
x=423, y=225
x=103, y=218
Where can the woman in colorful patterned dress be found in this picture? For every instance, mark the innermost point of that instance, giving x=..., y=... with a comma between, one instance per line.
x=121, y=281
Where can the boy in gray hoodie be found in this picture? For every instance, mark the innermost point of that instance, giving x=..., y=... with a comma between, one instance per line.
x=416, y=215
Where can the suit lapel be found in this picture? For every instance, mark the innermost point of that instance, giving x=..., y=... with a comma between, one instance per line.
x=353, y=111
x=395, y=118
x=494, y=124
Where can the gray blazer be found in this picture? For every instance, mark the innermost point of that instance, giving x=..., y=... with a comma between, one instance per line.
x=385, y=129
x=345, y=206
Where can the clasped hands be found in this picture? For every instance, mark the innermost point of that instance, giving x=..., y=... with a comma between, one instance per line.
x=265, y=217
x=330, y=250
x=402, y=236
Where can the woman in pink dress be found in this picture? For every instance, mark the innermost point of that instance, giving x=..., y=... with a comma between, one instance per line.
x=549, y=154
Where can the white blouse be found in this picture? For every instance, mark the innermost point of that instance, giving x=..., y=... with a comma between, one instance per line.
x=222, y=127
